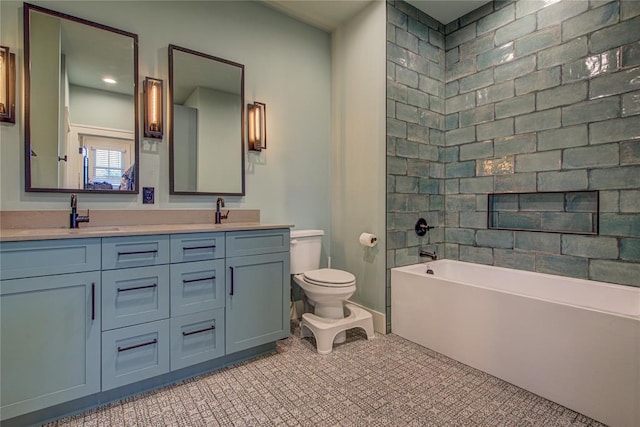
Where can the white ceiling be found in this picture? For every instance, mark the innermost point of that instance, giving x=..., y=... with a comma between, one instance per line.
x=329, y=14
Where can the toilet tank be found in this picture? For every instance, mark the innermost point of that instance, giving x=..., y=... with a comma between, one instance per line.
x=306, y=247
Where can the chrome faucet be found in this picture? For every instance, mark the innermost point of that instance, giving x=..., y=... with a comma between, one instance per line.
x=219, y=215
x=427, y=254
x=74, y=218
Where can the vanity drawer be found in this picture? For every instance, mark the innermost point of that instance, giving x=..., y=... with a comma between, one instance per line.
x=46, y=257
x=134, y=295
x=197, y=286
x=197, y=247
x=197, y=338
x=256, y=242
x=134, y=251
x=134, y=353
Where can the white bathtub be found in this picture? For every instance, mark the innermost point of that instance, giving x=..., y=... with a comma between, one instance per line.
x=575, y=342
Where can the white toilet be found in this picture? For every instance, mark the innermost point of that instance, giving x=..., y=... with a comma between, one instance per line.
x=326, y=290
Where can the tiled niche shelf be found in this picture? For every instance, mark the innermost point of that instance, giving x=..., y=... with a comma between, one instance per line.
x=571, y=212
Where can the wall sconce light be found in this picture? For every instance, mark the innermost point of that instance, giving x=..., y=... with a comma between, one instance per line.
x=7, y=85
x=153, y=108
x=257, y=124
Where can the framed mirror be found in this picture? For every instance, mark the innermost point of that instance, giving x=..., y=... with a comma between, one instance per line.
x=81, y=105
x=206, y=116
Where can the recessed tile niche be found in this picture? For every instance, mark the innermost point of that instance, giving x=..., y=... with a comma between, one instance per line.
x=574, y=212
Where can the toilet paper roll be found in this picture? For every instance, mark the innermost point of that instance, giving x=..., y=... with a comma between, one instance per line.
x=369, y=240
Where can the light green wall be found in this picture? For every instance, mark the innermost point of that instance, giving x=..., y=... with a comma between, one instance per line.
x=100, y=108
x=287, y=66
x=358, y=151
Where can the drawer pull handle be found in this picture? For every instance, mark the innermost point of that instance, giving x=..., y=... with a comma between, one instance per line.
x=93, y=301
x=204, y=279
x=231, y=291
x=135, y=288
x=210, y=328
x=198, y=247
x=154, y=251
x=131, y=347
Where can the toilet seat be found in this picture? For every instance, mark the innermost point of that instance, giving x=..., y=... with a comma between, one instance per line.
x=329, y=277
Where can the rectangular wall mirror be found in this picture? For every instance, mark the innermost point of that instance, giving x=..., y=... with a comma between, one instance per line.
x=206, y=116
x=81, y=105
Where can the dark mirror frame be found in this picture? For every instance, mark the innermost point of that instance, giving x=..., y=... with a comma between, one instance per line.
x=172, y=190
x=27, y=95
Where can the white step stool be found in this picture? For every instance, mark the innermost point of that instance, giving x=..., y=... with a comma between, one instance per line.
x=325, y=330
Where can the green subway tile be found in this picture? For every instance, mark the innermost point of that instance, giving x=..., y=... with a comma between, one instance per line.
x=396, y=17
x=476, y=81
x=396, y=166
x=496, y=56
x=590, y=21
x=429, y=51
x=476, y=14
x=495, y=239
x=631, y=103
x=495, y=93
x=612, y=84
x=451, y=121
x=407, y=184
x=478, y=150
x=515, y=106
x=406, y=77
x=630, y=201
x=451, y=251
x=593, y=156
x=431, y=86
x=525, y=143
x=538, y=41
x=451, y=186
x=625, y=273
x=396, y=202
x=516, y=29
x=406, y=40
x=476, y=115
x=406, y=148
x=459, y=235
x=616, y=35
x=436, y=38
x=417, y=98
x=397, y=54
x=436, y=104
x=476, y=220
x=561, y=95
x=462, y=68
x=518, y=220
x=417, y=202
x=561, y=11
x=591, y=111
x=391, y=71
x=396, y=128
x=591, y=66
x=561, y=54
x=514, y=69
x=505, y=202
x=416, y=167
x=428, y=152
x=461, y=102
x=539, y=242
x=476, y=185
x=501, y=166
x=573, y=136
x=460, y=169
x=407, y=113
x=630, y=249
x=590, y=247
x=609, y=201
x=431, y=119
x=417, y=133
x=452, y=56
x=482, y=204
x=563, y=181
x=614, y=130
x=514, y=259
x=391, y=184
x=428, y=186
x=418, y=29
x=460, y=136
x=497, y=19
x=623, y=177
x=460, y=36
x=476, y=255
x=391, y=108
x=530, y=6
x=495, y=129
x=630, y=152
x=396, y=91
x=476, y=46
x=629, y=9
x=391, y=146
x=538, y=80
x=562, y=265
x=581, y=202
x=460, y=202
x=417, y=63
x=544, y=161
x=543, y=202
x=391, y=33
x=625, y=225
x=519, y=182
x=436, y=202
x=542, y=120
x=436, y=170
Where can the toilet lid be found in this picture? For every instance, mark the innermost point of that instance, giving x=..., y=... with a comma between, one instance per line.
x=329, y=277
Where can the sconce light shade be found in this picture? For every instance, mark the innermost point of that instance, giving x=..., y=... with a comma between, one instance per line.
x=7, y=85
x=153, y=108
x=257, y=126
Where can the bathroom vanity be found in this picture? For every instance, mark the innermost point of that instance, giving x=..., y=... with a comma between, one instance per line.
x=93, y=315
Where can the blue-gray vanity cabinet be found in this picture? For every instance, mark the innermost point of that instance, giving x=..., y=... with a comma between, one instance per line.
x=49, y=339
x=196, y=338
x=197, y=247
x=134, y=353
x=257, y=280
x=197, y=286
x=134, y=251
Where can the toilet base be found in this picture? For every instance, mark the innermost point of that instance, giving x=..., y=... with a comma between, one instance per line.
x=325, y=330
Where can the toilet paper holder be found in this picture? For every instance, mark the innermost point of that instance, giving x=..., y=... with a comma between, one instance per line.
x=422, y=227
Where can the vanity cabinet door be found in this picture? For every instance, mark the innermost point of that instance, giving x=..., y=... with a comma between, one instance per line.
x=49, y=341
x=257, y=301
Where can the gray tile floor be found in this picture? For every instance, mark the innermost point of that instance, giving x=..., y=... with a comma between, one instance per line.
x=387, y=381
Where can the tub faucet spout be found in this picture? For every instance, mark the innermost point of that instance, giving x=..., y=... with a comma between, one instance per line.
x=427, y=254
